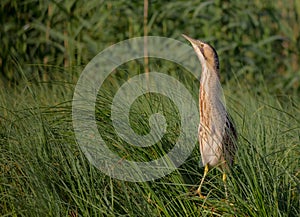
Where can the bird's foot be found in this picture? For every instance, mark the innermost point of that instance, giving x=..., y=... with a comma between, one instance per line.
x=200, y=194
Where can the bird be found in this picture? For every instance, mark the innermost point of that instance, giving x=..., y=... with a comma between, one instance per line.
x=217, y=133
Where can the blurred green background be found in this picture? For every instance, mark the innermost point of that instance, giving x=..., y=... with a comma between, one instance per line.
x=254, y=39
x=45, y=45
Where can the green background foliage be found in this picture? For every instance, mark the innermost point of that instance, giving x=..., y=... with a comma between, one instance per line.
x=253, y=38
x=46, y=44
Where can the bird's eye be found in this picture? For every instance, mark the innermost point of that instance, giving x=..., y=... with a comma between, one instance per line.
x=202, y=45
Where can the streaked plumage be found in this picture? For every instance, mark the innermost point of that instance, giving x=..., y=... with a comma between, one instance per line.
x=217, y=134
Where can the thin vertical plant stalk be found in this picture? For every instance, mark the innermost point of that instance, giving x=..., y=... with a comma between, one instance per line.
x=66, y=46
x=146, y=59
x=47, y=37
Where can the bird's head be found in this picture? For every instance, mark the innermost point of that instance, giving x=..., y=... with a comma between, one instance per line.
x=206, y=53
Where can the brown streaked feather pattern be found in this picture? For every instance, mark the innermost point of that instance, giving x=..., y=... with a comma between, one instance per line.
x=217, y=134
x=229, y=141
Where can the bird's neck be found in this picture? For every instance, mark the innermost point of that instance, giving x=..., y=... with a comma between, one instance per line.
x=211, y=102
x=210, y=82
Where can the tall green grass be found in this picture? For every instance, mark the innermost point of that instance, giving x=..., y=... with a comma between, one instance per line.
x=46, y=45
x=44, y=172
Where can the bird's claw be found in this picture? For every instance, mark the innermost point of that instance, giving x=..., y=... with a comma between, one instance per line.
x=200, y=195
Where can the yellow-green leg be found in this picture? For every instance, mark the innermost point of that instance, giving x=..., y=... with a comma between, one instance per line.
x=202, y=180
x=225, y=186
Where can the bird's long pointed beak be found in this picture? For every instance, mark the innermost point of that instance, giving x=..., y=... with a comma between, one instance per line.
x=193, y=41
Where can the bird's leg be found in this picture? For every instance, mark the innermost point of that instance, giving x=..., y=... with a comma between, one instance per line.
x=202, y=180
x=225, y=186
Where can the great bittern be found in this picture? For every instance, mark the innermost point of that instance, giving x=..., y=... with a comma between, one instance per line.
x=216, y=132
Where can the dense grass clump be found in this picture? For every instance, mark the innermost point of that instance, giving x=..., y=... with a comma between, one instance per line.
x=44, y=172
x=45, y=46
